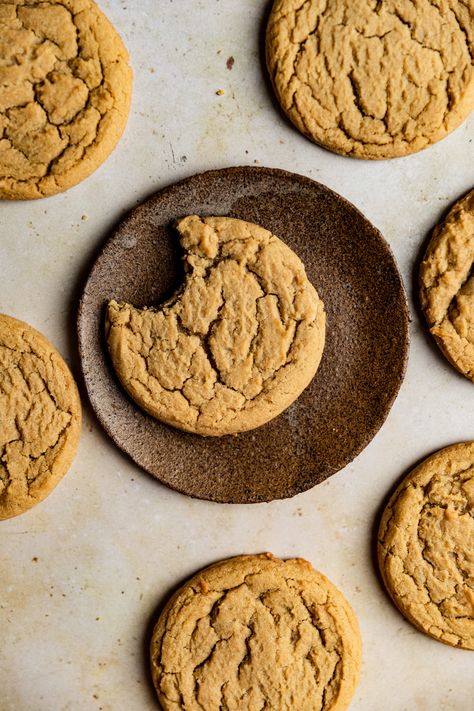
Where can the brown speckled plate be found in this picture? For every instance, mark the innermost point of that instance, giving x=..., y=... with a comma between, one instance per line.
x=364, y=359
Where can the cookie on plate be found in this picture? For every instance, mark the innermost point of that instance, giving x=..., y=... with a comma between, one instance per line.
x=236, y=344
x=40, y=417
x=65, y=88
x=426, y=546
x=447, y=285
x=256, y=632
x=372, y=79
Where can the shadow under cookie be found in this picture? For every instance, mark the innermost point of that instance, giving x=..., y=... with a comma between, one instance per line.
x=363, y=363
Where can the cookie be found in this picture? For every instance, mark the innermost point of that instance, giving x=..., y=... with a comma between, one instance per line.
x=65, y=88
x=447, y=285
x=256, y=632
x=426, y=545
x=40, y=417
x=236, y=344
x=373, y=79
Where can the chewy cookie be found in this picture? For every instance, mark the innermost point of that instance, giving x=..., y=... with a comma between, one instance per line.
x=235, y=346
x=65, y=88
x=373, y=79
x=426, y=544
x=447, y=285
x=256, y=632
x=40, y=417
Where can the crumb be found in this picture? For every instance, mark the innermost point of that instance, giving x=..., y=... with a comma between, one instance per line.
x=84, y=218
x=34, y=559
x=256, y=161
x=230, y=63
x=204, y=586
x=220, y=92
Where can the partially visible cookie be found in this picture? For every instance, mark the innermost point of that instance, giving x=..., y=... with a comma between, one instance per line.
x=447, y=285
x=373, y=79
x=40, y=417
x=426, y=546
x=256, y=632
x=65, y=88
x=237, y=343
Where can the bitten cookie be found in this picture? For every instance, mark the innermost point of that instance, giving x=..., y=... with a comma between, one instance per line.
x=447, y=285
x=373, y=79
x=237, y=343
x=256, y=632
x=426, y=546
x=40, y=417
x=65, y=88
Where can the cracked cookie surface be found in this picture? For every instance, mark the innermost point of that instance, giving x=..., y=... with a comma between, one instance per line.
x=40, y=417
x=65, y=88
x=426, y=546
x=235, y=346
x=373, y=78
x=256, y=632
x=447, y=285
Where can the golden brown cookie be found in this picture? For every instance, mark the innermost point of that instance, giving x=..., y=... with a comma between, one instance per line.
x=426, y=546
x=447, y=285
x=65, y=88
x=236, y=344
x=256, y=632
x=40, y=417
x=373, y=78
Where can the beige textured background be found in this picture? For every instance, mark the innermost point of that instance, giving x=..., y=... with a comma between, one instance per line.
x=81, y=574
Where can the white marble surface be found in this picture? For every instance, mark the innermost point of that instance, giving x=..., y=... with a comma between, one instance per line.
x=82, y=574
